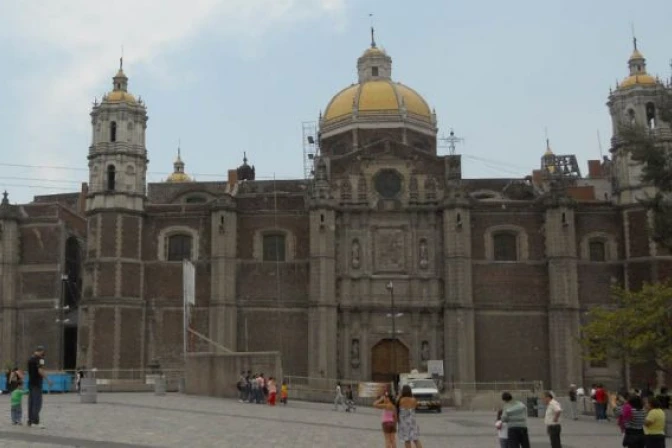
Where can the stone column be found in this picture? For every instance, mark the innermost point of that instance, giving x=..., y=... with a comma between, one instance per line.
x=223, y=315
x=322, y=317
x=9, y=262
x=566, y=366
x=459, y=337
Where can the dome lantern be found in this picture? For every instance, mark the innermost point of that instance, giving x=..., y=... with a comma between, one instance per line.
x=374, y=63
x=638, y=74
x=178, y=175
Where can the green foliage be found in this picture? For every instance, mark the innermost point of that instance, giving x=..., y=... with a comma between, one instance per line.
x=637, y=328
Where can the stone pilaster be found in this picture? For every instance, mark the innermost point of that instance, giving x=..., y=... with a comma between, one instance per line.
x=563, y=314
x=322, y=323
x=459, y=336
x=224, y=312
x=9, y=261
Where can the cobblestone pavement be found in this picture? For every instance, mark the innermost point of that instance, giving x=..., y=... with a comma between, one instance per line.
x=145, y=420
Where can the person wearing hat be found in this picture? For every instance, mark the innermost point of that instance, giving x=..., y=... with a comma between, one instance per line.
x=36, y=375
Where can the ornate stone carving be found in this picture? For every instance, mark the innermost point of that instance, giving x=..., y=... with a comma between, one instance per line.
x=346, y=190
x=423, y=254
x=389, y=250
x=430, y=189
x=355, y=254
x=362, y=193
x=354, y=353
x=413, y=189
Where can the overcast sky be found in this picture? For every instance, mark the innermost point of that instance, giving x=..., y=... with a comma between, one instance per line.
x=242, y=75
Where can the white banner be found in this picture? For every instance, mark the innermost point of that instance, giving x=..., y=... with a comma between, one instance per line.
x=189, y=281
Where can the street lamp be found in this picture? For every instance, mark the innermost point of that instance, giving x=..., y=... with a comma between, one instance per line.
x=393, y=315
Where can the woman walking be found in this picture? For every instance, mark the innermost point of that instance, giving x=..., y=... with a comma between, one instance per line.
x=409, y=432
x=631, y=418
x=389, y=419
x=654, y=425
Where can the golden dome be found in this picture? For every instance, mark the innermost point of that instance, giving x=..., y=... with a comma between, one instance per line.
x=178, y=178
x=638, y=80
x=119, y=96
x=377, y=96
x=374, y=51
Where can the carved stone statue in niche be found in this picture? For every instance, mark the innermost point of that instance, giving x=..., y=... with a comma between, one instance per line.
x=424, y=352
x=356, y=254
x=346, y=190
x=423, y=252
x=354, y=353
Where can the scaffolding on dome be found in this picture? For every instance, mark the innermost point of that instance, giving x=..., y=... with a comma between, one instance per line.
x=311, y=147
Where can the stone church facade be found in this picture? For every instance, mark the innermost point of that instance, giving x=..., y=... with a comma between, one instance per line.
x=492, y=276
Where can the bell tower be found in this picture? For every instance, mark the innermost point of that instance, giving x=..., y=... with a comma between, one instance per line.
x=635, y=102
x=112, y=313
x=117, y=155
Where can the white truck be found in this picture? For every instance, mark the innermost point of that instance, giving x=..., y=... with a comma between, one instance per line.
x=424, y=390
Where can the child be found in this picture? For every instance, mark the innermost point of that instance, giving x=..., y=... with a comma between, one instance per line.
x=284, y=393
x=16, y=398
x=502, y=431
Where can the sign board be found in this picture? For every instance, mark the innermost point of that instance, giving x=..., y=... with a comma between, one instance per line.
x=435, y=367
x=371, y=390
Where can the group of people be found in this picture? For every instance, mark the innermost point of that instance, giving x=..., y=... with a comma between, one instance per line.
x=511, y=422
x=398, y=419
x=347, y=400
x=15, y=386
x=257, y=389
x=642, y=418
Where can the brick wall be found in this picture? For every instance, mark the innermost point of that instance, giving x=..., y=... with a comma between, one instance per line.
x=523, y=217
x=40, y=244
x=268, y=282
x=39, y=285
x=296, y=223
x=510, y=285
x=279, y=330
x=511, y=346
x=638, y=235
x=595, y=282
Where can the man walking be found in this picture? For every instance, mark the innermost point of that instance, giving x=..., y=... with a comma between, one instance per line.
x=36, y=375
x=514, y=414
x=572, y=401
x=552, y=419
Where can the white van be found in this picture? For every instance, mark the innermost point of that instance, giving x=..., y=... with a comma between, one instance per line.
x=424, y=390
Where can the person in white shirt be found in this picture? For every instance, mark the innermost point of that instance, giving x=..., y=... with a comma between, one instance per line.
x=502, y=431
x=552, y=419
x=339, y=400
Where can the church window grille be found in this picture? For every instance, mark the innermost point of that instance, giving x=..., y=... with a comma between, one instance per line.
x=111, y=177
x=113, y=131
x=505, y=246
x=597, y=251
x=179, y=247
x=274, y=247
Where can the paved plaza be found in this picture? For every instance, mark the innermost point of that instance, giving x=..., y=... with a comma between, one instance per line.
x=145, y=420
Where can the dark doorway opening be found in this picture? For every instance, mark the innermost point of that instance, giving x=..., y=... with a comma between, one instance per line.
x=69, y=348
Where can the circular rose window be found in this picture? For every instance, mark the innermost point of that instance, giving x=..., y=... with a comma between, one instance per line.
x=388, y=183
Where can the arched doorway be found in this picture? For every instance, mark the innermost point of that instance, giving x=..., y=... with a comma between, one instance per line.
x=71, y=294
x=389, y=357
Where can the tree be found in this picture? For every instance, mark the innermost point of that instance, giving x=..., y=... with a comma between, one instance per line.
x=637, y=328
x=656, y=167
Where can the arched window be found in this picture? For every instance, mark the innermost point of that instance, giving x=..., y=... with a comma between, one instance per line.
x=505, y=246
x=597, y=250
x=195, y=200
x=179, y=247
x=274, y=247
x=374, y=71
x=651, y=115
x=72, y=282
x=113, y=131
x=111, y=177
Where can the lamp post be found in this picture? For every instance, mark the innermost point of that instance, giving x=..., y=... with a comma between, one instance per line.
x=393, y=316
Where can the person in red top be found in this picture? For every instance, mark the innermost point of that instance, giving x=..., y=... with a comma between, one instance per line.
x=601, y=402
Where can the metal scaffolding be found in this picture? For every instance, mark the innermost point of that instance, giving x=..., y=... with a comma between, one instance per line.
x=311, y=147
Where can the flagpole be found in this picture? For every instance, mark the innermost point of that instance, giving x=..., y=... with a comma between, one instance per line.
x=184, y=311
